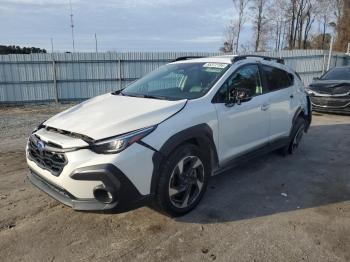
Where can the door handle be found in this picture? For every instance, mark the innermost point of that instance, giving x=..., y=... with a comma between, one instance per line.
x=291, y=96
x=265, y=107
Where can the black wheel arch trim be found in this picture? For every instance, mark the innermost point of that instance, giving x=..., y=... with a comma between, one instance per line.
x=202, y=134
x=306, y=115
x=297, y=113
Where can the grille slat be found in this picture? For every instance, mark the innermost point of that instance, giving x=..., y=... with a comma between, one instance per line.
x=330, y=102
x=51, y=161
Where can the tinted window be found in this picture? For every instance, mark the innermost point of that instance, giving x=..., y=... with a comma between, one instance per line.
x=337, y=74
x=276, y=78
x=245, y=78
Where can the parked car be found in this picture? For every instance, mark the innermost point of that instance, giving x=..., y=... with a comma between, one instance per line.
x=161, y=138
x=331, y=92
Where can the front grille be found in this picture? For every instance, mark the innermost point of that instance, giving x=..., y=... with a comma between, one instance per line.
x=330, y=102
x=51, y=161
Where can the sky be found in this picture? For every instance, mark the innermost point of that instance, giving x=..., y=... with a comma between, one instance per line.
x=120, y=25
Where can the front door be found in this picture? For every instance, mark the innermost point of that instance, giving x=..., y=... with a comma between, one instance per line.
x=243, y=126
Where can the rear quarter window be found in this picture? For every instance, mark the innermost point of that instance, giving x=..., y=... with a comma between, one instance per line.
x=277, y=78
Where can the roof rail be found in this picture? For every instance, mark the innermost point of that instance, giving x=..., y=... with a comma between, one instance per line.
x=182, y=58
x=267, y=58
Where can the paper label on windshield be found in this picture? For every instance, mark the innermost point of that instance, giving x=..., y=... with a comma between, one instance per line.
x=215, y=65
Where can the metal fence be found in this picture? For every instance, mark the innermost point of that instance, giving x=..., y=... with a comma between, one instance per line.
x=69, y=77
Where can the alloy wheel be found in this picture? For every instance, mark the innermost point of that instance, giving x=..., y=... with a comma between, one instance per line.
x=186, y=181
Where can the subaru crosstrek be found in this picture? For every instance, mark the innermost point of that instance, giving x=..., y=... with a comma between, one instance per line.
x=160, y=139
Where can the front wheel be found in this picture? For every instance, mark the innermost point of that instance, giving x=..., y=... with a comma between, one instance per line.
x=183, y=181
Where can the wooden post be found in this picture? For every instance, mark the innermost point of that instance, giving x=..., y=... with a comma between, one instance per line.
x=324, y=63
x=120, y=73
x=330, y=54
x=55, y=79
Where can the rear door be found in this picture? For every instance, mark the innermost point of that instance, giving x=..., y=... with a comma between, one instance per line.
x=282, y=105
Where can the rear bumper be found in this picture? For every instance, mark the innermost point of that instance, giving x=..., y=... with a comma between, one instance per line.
x=126, y=196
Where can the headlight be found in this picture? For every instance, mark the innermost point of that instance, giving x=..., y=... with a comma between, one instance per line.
x=119, y=143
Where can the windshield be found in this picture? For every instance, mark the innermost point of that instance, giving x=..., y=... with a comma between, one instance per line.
x=177, y=81
x=337, y=74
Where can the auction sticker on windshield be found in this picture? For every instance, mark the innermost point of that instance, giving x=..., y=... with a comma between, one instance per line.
x=215, y=65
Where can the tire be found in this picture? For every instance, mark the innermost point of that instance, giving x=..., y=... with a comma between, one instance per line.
x=295, y=137
x=179, y=191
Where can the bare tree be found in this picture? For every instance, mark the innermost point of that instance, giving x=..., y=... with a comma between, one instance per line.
x=309, y=18
x=229, y=38
x=289, y=24
x=293, y=18
x=277, y=17
x=301, y=18
x=325, y=15
x=240, y=6
x=343, y=25
x=258, y=9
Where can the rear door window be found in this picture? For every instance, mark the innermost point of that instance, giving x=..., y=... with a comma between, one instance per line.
x=276, y=78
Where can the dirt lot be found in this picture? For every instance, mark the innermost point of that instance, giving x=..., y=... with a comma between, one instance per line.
x=243, y=216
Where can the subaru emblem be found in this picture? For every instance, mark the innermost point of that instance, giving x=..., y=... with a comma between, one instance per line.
x=41, y=146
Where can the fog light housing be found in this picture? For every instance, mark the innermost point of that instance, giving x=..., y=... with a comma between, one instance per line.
x=104, y=195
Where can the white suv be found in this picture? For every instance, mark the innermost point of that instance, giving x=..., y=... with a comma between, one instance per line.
x=163, y=136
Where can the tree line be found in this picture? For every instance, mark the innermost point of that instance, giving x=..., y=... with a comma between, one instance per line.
x=288, y=24
x=5, y=50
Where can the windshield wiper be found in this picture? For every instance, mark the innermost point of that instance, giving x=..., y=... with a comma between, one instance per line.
x=155, y=97
x=119, y=92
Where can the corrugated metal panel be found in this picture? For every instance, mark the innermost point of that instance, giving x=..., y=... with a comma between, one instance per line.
x=26, y=78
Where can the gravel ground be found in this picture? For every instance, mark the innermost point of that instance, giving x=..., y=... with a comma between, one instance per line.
x=295, y=208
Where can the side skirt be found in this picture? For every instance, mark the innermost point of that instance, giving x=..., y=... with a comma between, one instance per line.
x=263, y=150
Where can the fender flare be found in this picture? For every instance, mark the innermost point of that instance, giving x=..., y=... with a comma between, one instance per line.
x=202, y=134
x=296, y=114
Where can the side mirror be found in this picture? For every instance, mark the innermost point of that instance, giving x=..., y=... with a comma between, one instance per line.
x=316, y=78
x=243, y=95
x=231, y=97
x=238, y=96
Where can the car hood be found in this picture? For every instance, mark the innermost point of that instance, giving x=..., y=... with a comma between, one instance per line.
x=331, y=87
x=110, y=115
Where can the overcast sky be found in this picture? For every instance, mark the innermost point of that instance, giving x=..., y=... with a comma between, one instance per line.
x=121, y=25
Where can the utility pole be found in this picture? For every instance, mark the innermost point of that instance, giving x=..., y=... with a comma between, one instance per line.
x=96, y=44
x=72, y=23
x=51, y=45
